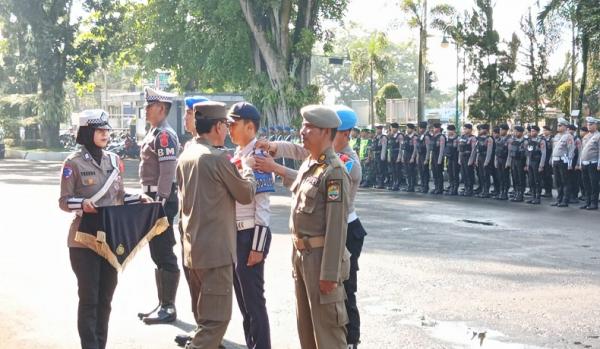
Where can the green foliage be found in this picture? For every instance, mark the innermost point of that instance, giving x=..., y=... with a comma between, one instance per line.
x=562, y=97
x=388, y=91
x=12, y=109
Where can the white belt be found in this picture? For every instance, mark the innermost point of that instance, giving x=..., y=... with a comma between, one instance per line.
x=556, y=158
x=352, y=216
x=589, y=162
x=245, y=224
x=149, y=188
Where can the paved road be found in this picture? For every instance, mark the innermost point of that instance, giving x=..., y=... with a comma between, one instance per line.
x=528, y=277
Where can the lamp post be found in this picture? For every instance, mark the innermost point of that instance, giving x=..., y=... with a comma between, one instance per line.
x=445, y=43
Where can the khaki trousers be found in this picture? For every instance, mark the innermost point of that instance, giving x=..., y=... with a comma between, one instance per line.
x=321, y=318
x=214, y=304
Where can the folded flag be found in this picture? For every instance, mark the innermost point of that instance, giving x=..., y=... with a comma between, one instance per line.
x=117, y=233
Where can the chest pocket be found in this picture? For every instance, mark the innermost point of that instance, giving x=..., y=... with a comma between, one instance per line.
x=307, y=197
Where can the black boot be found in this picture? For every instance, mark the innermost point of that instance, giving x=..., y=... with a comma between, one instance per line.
x=166, y=312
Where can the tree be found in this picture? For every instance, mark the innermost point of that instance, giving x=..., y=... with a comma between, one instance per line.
x=388, y=91
x=368, y=58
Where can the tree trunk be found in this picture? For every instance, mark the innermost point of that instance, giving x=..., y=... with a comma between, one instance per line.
x=585, y=45
x=573, y=66
x=422, y=60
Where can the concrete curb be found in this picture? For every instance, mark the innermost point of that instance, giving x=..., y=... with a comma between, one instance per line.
x=33, y=155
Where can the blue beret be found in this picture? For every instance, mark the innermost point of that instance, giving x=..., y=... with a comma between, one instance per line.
x=190, y=101
x=279, y=128
x=287, y=129
x=271, y=128
x=347, y=116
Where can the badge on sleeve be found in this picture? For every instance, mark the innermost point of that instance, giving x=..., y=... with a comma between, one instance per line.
x=334, y=190
x=165, y=146
x=67, y=171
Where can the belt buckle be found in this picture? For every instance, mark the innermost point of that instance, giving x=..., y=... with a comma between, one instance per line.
x=307, y=246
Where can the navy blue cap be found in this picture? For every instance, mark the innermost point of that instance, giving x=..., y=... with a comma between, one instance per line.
x=410, y=126
x=190, y=101
x=468, y=126
x=534, y=127
x=244, y=110
x=504, y=127
x=451, y=128
x=423, y=124
x=519, y=128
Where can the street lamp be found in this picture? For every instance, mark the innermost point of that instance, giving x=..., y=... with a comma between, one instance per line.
x=445, y=44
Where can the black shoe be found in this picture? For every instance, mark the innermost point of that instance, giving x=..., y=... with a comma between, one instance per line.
x=182, y=340
x=592, y=208
x=563, y=204
x=530, y=201
x=584, y=207
x=165, y=313
x=555, y=204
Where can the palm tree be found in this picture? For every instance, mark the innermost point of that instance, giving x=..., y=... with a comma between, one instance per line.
x=369, y=57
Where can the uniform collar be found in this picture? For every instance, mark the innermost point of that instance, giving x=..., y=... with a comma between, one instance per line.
x=248, y=149
x=85, y=154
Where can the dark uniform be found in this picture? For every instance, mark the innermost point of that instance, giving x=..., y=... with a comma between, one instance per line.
x=395, y=141
x=485, y=146
x=423, y=148
x=409, y=154
x=517, y=161
x=466, y=151
x=548, y=184
x=536, y=157
x=380, y=157
x=451, y=153
x=438, y=145
x=158, y=165
x=502, y=172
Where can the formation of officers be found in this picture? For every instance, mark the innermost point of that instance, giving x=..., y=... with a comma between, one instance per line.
x=531, y=161
x=224, y=214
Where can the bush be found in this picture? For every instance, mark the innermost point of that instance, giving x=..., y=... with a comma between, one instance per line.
x=388, y=91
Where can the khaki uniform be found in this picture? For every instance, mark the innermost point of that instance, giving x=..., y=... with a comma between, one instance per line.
x=320, y=201
x=81, y=178
x=209, y=186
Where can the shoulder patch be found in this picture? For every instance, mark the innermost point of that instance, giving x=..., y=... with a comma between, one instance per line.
x=334, y=190
x=165, y=146
x=67, y=171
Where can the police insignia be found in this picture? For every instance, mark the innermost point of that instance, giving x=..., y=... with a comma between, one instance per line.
x=67, y=171
x=334, y=190
x=164, y=139
x=120, y=250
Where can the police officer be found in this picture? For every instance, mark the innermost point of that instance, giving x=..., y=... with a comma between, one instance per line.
x=548, y=182
x=466, y=150
x=157, y=172
x=574, y=175
x=536, y=158
x=423, y=152
x=363, y=154
x=380, y=145
x=355, y=140
x=396, y=140
x=438, y=145
x=517, y=161
x=563, y=149
x=589, y=164
x=503, y=172
x=84, y=175
x=451, y=154
x=485, y=145
x=409, y=157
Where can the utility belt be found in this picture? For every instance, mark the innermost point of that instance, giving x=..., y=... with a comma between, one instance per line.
x=307, y=243
x=245, y=224
x=585, y=163
x=152, y=191
x=352, y=216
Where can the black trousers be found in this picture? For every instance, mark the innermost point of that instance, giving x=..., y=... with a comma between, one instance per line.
x=424, y=174
x=485, y=174
x=574, y=178
x=381, y=170
x=411, y=174
x=517, y=168
x=438, y=174
x=467, y=173
x=560, y=176
x=453, y=173
x=249, y=286
x=591, y=178
x=96, y=283
x=161, y=247
x=395, y=168
x=503, y=176
x=354, y=242
x=536, y=178
x=548, y=178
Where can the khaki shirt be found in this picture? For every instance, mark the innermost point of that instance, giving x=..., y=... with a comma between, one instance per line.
x=320, y=200
x=81, y=178
x=563, y=147
x=209, y=186
x=158, y=159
